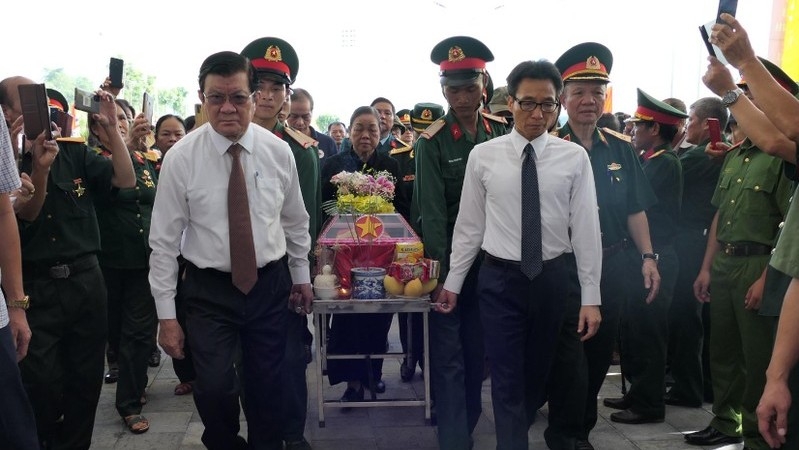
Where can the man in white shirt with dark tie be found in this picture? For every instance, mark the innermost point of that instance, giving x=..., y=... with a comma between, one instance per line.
x=530, y=237
x=231, y=193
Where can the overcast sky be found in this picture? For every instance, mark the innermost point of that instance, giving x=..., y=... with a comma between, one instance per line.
x=352, y=51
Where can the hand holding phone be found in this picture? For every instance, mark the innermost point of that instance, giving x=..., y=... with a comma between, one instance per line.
x=714, y=129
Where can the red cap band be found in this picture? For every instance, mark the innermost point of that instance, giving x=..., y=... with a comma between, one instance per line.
x=582, y=67
x=55, y=104
x=276, y=66
x=644, y=113
x=465, y=63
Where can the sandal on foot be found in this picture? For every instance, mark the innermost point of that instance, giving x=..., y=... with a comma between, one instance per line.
x=183, y=389
x=137, y=424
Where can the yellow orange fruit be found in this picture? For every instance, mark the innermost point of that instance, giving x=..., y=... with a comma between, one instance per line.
x=413, y=288
x=429, y=285
x=393, y=286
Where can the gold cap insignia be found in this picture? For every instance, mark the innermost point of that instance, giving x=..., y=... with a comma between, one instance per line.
x=427, y=115
x=273, y=54
x=592, y=63
x=455, y=54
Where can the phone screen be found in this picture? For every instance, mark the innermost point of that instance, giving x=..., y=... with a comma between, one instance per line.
x=115, y=68
x=714, y=129
x=147, y=108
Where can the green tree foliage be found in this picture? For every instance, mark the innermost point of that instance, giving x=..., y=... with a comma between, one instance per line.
x=324, y=120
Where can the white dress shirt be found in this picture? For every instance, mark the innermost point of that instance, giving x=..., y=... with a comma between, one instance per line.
x=191, y=204
x=490, y=211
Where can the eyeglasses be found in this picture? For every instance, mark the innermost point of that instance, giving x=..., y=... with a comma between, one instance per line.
x=530, y=105
x=237, y=99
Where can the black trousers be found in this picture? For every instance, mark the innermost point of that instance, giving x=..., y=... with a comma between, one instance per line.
x=575, y=407
x=63, y=372
x=132, y=319
x=221, y=320
x=521, y=322
x=295, y=388
x=17, y=425
x=685, y=320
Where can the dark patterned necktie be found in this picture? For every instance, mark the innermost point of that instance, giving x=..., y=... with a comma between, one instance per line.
x=243, y=267
x=531, y=263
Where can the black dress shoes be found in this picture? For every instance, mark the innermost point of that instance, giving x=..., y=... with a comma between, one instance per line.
x=617, y=403
x=583, y=445
x=353, y=395
x=380, y=387
x=406, y=371
x=631, y=417
x=711, y=437
x=677, y=401
x=112, y=375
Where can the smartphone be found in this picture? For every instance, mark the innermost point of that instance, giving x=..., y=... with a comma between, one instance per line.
x=706, y=40
x=62, y=120
x=35, y=110
x=714, y=129
x=87, y=101
x=726, y=6
x=115, y=67
x=147, y=107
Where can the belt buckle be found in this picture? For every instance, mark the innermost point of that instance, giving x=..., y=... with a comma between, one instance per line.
x=729, y=250
x=60, y=271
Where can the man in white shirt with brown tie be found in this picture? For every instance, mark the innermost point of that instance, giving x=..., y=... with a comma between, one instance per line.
x=232, y=194
x=529, y=202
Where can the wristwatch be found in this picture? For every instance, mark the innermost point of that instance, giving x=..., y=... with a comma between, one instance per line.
x=652, y=256
x=731, y=97
x=24, y=303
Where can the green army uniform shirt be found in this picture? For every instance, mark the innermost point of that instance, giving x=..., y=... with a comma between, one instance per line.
x=664, y=172
x=700, y=177
x=622, y=188
x=306, y=157
x=66, y=227
x=751, y=196
x=441, y=154
x=124, y=218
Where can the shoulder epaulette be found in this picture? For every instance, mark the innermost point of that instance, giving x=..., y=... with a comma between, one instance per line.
x=74, y=140
x=398, y=150
x=304, y=140
x=434, y=128
x=617, y=135
x=152, y=155
x=498, y=119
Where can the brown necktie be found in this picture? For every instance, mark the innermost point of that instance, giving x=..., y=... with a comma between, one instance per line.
x=242, y=250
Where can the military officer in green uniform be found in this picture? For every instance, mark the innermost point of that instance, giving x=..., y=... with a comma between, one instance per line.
x=456, y=341
x=700, y=176
x=644, y=325
x=60, y=238
x=623, y=195
x=404, y=116
x=276, y=64
x=422, y=115
x=752, y=197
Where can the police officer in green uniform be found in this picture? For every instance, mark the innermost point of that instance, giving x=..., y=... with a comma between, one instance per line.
x=623, y=195
x=456, y=341
x=124, y=219
x=276, y=65
x=63, y=371
x=644, y=325
x=752, y=197
x=422, y=115
x=700, y=176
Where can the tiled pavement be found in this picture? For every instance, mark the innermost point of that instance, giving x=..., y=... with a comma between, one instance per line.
x=175, y=424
